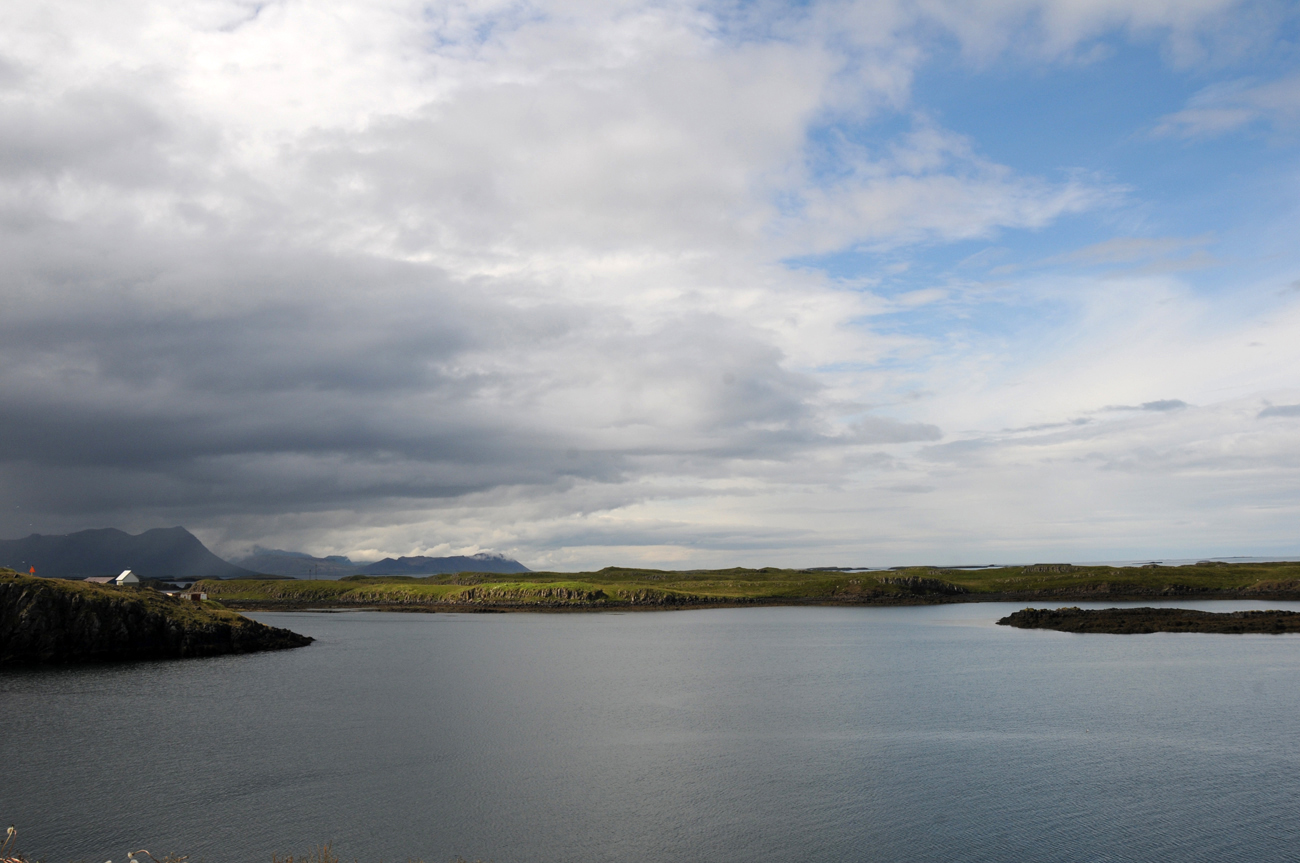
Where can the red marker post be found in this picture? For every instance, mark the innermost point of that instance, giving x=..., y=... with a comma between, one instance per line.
x=32, y=571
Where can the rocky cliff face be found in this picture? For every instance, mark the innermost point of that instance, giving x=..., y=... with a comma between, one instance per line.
x=917, y=584
x=43, y=620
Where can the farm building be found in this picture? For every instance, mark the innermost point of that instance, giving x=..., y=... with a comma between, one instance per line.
x=127, y=577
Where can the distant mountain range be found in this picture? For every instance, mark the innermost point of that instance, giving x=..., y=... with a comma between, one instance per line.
x=174, y=552
x=165, y=552
x=299, y=565
x=481, y=562
x=296, y=564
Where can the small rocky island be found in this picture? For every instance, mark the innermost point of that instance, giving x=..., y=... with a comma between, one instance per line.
x=46, y=620
x=1136, y=621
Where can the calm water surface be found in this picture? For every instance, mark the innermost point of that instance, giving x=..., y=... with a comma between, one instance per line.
x=792, y=734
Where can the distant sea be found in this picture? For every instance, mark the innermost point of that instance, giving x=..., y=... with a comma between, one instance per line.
x=1187, y=561
x=781, y=734
x=1164, y=561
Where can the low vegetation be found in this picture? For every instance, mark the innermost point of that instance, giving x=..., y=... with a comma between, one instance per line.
x=615, y=587
x=53, y=620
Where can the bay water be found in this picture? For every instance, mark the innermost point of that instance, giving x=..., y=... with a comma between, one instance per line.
x=747, y=734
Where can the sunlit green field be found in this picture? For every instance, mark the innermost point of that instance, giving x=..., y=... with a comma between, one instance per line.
x=182, y=613
x=613, y=586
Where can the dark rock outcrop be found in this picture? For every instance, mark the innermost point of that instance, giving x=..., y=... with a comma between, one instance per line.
x=45, y=620
x=1136, y=621
x=920, y=585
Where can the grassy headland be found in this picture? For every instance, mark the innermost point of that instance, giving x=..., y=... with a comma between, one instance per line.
x=615, y=587
x=52, y=620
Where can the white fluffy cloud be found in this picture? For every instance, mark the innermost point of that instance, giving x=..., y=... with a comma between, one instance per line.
x=399, y=277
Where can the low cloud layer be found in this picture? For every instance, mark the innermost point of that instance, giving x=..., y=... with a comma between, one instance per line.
x=421, y=278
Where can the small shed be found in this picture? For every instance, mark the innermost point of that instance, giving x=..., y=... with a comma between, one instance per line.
x=127, y=577
x=101, y=579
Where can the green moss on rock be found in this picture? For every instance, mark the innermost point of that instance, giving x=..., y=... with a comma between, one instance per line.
x=52, y=621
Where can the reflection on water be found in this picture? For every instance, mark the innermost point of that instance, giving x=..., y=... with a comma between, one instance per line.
x=891, y=734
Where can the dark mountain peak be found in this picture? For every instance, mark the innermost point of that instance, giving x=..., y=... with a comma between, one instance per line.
x=164, y=552
x=90, y=532
x=296, y=564
x=421, y=565
x=258, y=551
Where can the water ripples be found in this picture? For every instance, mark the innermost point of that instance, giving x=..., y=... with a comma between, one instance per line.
x=911, y=734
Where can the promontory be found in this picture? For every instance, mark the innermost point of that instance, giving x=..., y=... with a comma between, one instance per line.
x=45, y=620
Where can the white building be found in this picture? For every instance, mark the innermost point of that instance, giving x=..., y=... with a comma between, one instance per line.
x=127, y=577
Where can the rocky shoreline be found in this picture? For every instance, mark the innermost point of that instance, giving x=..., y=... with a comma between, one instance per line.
x=1138, y=621
x=686, y=603
x=50, y=621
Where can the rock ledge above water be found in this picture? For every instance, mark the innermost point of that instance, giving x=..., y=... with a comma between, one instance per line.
x=46, y=620
x=1138, y=621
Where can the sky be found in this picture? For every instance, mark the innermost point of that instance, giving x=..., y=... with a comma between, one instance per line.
x=671, y=284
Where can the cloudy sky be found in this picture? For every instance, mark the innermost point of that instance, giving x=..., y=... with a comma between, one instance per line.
x=665, y=283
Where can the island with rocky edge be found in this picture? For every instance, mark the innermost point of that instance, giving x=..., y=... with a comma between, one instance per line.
x=1137, y=621
x=46, y=620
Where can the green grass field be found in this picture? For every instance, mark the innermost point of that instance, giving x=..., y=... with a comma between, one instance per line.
x=87, y=595
x=621, y=587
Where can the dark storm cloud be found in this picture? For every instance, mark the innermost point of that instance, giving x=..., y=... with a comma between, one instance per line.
x=206, y=351
x=243, y=402
x=204, y=378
